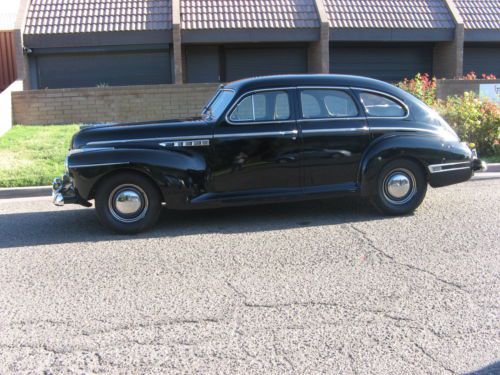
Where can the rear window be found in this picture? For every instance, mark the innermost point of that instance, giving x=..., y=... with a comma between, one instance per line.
x=377, y=105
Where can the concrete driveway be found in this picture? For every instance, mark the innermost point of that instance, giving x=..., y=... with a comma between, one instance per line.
x=327, y=287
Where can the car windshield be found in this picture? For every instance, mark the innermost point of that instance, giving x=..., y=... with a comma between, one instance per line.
x=218, y=104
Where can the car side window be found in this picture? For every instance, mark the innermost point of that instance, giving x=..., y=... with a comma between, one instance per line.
x=377, y=105
x=262, y=107
x=325, y=103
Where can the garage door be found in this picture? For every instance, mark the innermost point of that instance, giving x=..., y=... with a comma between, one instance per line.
x=251, y=62
x=387, y=61
x=112, y=69
x=482, y=58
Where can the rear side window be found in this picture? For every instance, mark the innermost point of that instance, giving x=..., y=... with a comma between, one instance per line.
x=381, y=106
x=324, y=103
x=262, y=107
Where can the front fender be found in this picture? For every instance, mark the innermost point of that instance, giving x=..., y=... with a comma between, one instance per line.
x=176, y=172
x=425, y=149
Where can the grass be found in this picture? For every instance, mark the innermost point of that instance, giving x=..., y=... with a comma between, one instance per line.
x=33, y=155
x=492, y=159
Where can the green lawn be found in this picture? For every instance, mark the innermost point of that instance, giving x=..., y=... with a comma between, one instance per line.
x=33, y=155
x=492, y=159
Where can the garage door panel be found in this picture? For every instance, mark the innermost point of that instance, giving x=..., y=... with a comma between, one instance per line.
x=482, y=59
x=250, y=62
x=113, y=69
x=386, y=62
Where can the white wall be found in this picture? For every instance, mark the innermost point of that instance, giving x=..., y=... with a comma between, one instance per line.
x=6, y=106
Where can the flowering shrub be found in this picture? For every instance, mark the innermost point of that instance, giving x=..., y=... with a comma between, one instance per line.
x=474, y=119
x=421, y=86
x=472, y=76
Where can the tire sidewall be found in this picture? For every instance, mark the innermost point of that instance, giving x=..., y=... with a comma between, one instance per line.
x=104, y=214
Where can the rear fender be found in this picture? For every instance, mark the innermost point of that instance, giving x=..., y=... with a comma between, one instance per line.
x=178, y=173
x=424, y=149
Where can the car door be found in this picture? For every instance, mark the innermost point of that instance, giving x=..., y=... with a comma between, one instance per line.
x=334, y=137
x=255, y=146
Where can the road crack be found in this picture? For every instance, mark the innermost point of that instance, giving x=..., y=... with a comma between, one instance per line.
x=370, y=242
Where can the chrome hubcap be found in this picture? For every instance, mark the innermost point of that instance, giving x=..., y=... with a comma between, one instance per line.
x=128, y=203
x=400, y=186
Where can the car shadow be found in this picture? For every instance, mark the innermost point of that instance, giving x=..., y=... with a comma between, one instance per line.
x=82, y=225
x=492, y=369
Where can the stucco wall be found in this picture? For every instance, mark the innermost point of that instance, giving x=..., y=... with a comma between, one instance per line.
x=110, y=104
x=6, y=106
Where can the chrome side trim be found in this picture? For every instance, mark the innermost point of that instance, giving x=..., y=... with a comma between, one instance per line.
x=382, y=93
x=399, y=128
x=97, y=165
x=330, y=119
x=146, y=140
x=257, y=134
x=338, y=130
x=193, y=143
x=438, y=168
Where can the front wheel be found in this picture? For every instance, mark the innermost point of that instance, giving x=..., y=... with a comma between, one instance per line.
x=401, y=187
x=127, y=203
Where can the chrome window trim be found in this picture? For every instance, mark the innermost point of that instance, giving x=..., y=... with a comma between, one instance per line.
x=382, y=93
x=180, y=138
x=438, y=168
x=257, y=134
x=252, y=92
x=337, y=88
x=214, y=97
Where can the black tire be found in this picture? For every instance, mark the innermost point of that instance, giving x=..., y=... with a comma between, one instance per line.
x=393, y=180
x=128, y=188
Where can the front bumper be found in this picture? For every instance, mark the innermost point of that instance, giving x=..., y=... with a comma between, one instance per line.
x=64, y=192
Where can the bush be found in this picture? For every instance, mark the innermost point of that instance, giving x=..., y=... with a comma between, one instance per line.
x=474, y=119
x=422, y=87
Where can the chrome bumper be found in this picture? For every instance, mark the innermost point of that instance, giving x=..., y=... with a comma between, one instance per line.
x=63, y=192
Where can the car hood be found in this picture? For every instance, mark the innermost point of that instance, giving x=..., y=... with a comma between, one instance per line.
x=139, y=133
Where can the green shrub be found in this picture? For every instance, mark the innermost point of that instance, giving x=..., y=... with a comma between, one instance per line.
x=474, y=119
x=421, y=86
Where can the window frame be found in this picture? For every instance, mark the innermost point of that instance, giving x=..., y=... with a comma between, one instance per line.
x=242, y=97
x=403, y=105
x=346, y=90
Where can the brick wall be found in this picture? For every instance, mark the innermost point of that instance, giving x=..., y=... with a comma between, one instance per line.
x=109, y=104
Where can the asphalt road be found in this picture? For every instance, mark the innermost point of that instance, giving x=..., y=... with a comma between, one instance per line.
x=327, y=287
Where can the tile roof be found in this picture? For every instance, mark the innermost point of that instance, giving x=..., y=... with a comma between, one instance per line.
x=248, y=14
x=406, y=14
x=86, y=16
x=479, y=14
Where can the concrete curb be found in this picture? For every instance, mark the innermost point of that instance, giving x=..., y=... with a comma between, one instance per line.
x=46, y=191
x=493, y=167
x=25, y=192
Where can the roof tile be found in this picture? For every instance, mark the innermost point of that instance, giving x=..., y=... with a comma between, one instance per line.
x=405, y=14
x=479, y=14
x=248, y=14
x=80, y=16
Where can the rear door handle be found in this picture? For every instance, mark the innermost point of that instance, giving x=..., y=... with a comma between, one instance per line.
x=292, y=133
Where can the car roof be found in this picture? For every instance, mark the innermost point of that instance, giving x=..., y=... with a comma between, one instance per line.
x=292, y=80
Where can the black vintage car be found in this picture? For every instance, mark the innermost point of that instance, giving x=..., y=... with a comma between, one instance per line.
x=268, y=139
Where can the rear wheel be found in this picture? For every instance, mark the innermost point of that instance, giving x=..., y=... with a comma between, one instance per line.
x=127, y=203
x=401, y=187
